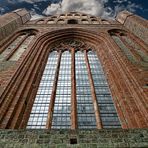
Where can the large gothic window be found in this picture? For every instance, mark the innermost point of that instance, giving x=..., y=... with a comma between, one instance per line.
x=73, y=91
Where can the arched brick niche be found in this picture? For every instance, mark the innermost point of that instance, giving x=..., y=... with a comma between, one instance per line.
x=131, y=47
x=18, y=98
x=15, y=46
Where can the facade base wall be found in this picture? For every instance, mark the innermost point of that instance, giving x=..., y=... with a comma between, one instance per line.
x=74, y=138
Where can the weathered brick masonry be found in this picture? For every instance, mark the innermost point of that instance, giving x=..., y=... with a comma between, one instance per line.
x=127, y=79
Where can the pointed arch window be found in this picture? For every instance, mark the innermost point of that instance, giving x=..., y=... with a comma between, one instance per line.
x=73, y=92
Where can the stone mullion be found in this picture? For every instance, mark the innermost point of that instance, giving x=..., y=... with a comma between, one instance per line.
x=73, y=92
x=53, y=95
x=16, y=48
x=94, y=97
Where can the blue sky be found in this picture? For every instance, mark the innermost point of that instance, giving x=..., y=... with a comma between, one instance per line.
x=102, y=8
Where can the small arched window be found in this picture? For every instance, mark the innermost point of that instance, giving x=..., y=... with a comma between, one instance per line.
x=40, y=22
x=85, y=21
x=94, y=21
x=84, y=16
x=105, y=21
x=69, y=15
x=62, y=16
x=72, y=21
x=61, y=21
x=77, y=15
x=51, y=21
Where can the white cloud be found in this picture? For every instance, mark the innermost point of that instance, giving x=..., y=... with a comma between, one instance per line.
x=93, y=7
x=34, y=15
x=28, y=1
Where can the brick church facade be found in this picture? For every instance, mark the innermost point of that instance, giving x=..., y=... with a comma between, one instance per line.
x=74, y=72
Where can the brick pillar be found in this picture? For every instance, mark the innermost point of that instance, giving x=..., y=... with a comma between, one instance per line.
x=51, y=106
x=73, y=92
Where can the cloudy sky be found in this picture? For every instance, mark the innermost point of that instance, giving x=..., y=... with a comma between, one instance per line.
x=103, y=8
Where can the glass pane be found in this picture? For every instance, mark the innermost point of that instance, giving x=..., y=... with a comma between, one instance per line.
x=107, y=110
x=62, y=106
x=86, y=115
x=40, y=107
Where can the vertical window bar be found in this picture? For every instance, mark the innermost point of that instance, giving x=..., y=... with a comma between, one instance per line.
x=85, y=110
x=39, y=113
x=108, y=112
x=73, y=93
x=62, y=107
x=54, y=88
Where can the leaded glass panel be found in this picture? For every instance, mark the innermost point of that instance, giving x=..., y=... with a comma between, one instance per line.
x=107, y=110
x=62, y=106
x=86, y=115
x=39, y=113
